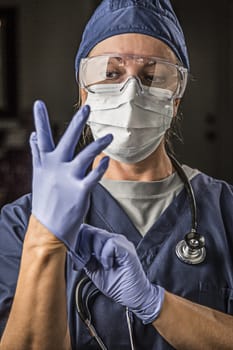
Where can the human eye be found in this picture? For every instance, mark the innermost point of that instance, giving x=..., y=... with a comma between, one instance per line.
x=112, y=75
x=113, y=71
x=153, y=79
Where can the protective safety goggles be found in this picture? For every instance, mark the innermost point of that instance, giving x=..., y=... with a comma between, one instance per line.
x=152, y=72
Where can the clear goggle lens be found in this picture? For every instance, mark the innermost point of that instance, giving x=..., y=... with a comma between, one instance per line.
x=116, y=69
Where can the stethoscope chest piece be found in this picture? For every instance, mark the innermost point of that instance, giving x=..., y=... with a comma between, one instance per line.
x=191, y=250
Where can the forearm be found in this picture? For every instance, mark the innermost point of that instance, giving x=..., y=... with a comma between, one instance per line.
x=38, y=317
x=186, y=325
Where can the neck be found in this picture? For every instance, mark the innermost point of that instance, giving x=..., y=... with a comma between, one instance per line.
x=154, y=168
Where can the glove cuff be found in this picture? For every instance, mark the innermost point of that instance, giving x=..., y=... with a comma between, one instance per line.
x=153, y=307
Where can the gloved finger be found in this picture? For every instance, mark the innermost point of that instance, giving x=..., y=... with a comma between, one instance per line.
x=68, y=142
x=96, y=174
x=43, y=129
x=34, y=150
x=84, y=159
x=90, y=242
x=117, y=250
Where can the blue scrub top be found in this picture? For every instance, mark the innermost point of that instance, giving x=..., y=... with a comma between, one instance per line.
x=209, y=283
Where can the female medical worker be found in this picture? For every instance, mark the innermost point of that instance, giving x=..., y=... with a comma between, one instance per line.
x=132, y=67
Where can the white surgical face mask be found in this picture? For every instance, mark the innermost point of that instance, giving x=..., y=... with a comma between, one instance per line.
x=138, y=121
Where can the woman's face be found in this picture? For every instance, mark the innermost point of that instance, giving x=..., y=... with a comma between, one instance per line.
x=133, y=44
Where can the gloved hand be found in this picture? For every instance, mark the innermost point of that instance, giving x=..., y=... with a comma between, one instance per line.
x=111, y=262
x=61, y=188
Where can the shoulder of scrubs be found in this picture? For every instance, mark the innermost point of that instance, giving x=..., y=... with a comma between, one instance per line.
x=13, y=224
x=215, y=211
x=221, y=190
x=214, y=196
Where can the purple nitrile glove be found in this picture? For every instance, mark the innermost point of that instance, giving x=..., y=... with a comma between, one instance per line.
x=60, y=187
x=111, y=262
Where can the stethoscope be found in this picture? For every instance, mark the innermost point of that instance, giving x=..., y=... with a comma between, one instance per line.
x=191, y=250
x=83, y=296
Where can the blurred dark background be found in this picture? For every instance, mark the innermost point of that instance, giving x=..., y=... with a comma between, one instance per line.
x=38, y=42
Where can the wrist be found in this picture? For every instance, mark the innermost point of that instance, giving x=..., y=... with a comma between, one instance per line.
x=39, y=238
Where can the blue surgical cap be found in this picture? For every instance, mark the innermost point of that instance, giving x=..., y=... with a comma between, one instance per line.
x=151, y=17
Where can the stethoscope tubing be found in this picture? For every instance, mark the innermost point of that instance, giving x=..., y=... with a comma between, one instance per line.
x=191, y=250
x=85, y=315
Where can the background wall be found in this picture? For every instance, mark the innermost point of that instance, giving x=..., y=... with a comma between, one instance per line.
x=207, y=108
x=48, y=34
